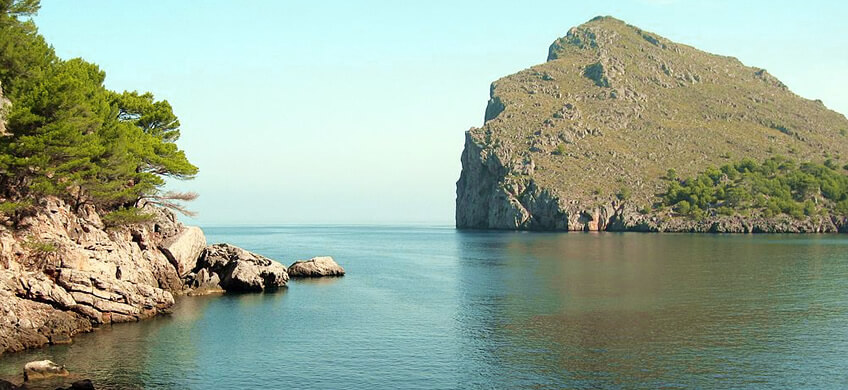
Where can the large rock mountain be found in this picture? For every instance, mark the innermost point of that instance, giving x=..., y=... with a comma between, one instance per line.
x=614, y=108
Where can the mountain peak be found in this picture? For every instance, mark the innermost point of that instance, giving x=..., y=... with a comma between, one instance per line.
x=601, y=32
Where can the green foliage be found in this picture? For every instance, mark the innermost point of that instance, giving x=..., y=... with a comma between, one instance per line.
x=126, y=216
x=775, y=186
x=10, y=208
x=560, y=150
x=682, y=207
x=69, y=135
x=13, y=212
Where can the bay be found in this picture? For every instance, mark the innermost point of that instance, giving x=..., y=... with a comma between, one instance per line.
x=432, y=307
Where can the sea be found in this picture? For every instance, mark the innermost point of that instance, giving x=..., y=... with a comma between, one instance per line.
x=432, y=307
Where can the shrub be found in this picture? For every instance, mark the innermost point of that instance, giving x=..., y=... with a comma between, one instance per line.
x=682, y=207
x=560, y=150
x=40, y=248
x=127, y=216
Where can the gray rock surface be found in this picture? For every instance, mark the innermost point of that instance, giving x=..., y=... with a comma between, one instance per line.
x=316, y=267
x=239, y=270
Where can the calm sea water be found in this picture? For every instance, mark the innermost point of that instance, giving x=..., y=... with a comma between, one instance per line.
x=432, y=307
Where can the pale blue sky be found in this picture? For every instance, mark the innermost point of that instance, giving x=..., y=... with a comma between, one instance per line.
x=354, y=111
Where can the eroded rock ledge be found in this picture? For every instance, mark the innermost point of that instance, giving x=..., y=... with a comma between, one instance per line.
x=65, y=273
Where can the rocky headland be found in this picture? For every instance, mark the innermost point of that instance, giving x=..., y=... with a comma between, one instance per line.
x=64, y=272
x=585, y=142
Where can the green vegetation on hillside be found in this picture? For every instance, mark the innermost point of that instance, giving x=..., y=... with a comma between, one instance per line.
x=776, y=186
x=69, y=136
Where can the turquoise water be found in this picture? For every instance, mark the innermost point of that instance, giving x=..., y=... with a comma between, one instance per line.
x=432, y=307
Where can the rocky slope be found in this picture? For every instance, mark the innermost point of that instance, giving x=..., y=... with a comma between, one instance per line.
x=613, y=109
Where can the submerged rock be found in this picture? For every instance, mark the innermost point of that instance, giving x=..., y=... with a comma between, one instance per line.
x=316, y=267
x=239, y=270
x=84, y=384
x=43, y=369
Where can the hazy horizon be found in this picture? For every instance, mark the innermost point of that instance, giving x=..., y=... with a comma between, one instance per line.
x=301, y=113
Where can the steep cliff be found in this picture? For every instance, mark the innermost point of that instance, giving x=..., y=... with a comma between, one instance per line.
x=583, y=141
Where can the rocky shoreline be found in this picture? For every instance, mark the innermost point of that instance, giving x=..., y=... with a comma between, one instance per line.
x=64, y=272
x=495, y=195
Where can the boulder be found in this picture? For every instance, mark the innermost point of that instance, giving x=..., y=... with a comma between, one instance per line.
x=240, y=270
x=43, y=369
x=203, y=282
x=84, y=384
x=315, y=267
x=183, y=249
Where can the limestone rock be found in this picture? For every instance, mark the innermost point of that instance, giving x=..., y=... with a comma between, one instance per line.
x=316, y=267
x=91, y=276
x=240, y=270
x=43, y=369
x=183, y=249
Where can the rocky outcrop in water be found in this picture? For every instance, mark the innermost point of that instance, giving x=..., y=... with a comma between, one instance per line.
x=316, y=267
x=43, y=369
x=582, y=141
x=237, y=270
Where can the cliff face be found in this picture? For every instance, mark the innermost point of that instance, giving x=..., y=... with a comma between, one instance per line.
x=64, y=273
x=613, y=109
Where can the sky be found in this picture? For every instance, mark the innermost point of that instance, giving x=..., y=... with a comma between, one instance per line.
x=354, y=112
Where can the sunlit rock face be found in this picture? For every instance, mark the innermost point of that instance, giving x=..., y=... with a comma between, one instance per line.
x=63, y=272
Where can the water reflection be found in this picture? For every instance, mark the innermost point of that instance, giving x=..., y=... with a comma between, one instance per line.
x=603, y=310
